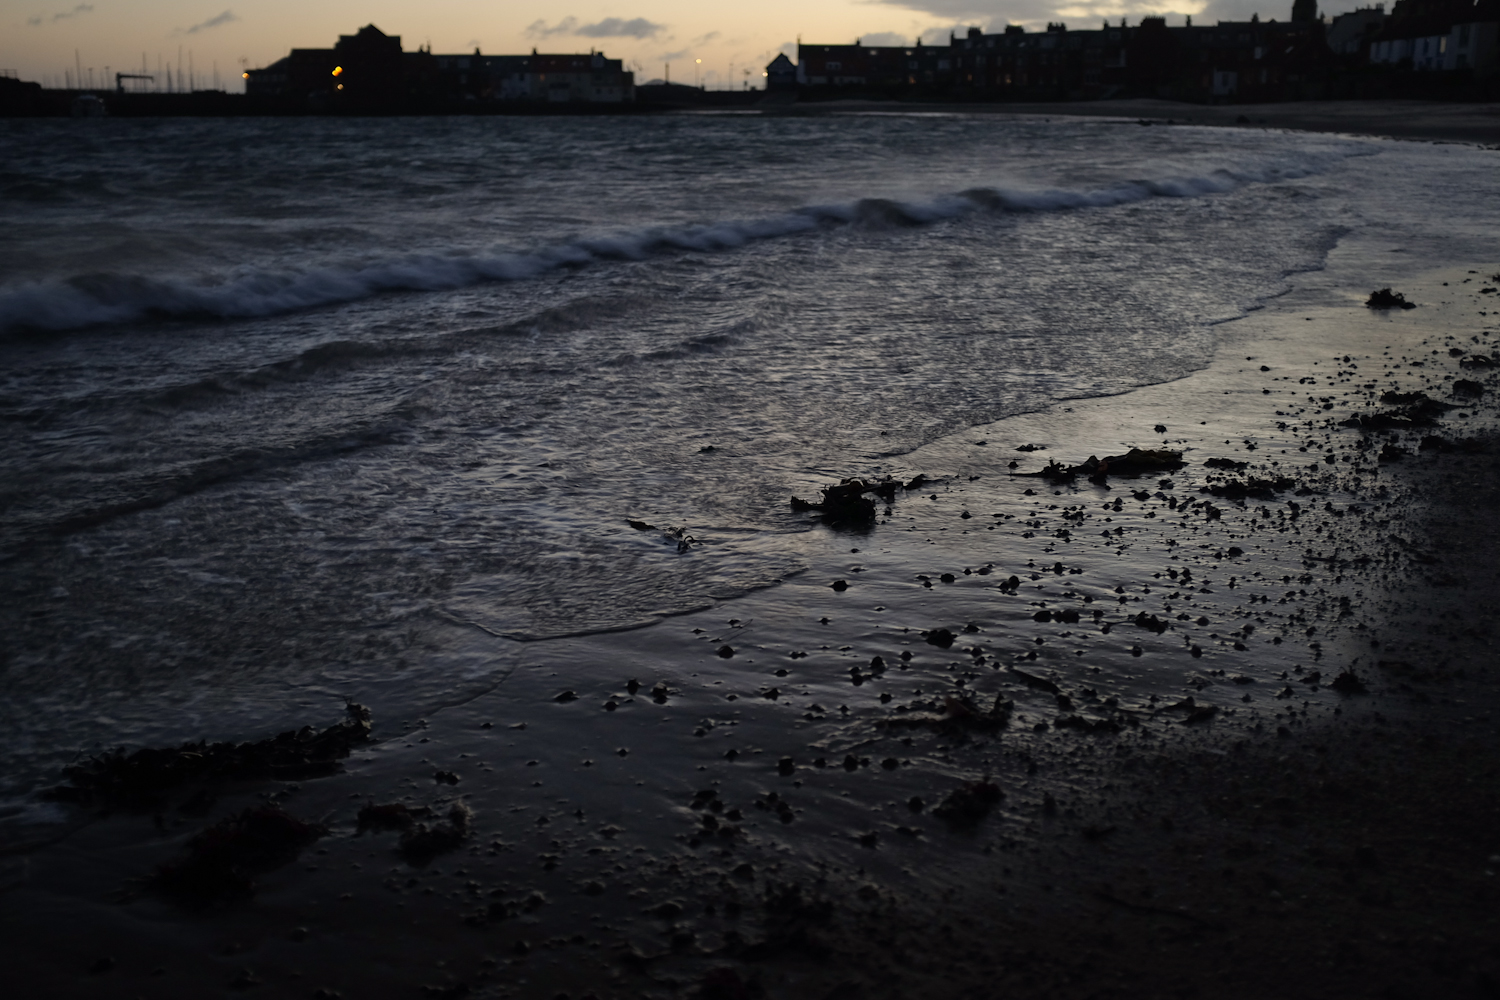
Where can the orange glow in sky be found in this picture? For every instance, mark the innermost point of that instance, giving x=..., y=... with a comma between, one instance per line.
x=214, y=44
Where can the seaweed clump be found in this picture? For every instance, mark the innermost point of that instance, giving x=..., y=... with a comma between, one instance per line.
x=845, y=505
x=968, y=804
x=1411, y=409
x=390, y=816
x=221, y=862
x=1387, y=299
x=1135, y=462
x=679, y=536
x=1262, y=488
x=1227, y=463
x=793, y=924
x=142, y=779
x=960, y=717
x=420, y=842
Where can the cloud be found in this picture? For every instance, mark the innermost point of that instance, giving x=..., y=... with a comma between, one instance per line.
x=705, y=39
x=1240, y=10
x=83, y=8
x=539, y=29
x=225, y=18
x=886, y=39
x=614, y=27
x=610, y=27
x=1076, y=13
x=993, y=15
x=940, y=34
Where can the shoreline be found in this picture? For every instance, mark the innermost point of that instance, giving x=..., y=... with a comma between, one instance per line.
x=599, y=862
x=1391, y=118
x=1394, y=119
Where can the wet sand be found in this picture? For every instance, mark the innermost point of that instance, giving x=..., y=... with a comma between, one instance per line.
x=750, y=800
x=1440, y=121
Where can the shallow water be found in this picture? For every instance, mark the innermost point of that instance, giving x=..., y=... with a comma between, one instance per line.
x=278, y=395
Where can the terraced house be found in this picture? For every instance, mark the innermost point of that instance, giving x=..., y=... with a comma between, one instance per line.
x=1229, y=61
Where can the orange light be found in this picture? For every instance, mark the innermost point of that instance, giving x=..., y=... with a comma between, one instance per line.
x=245, y=75
x=338, y=70
x=341, y=86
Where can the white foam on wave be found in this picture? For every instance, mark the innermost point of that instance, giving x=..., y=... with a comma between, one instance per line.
x=98, y=299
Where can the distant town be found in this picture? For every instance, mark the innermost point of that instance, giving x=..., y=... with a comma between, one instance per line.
x=1433, y=49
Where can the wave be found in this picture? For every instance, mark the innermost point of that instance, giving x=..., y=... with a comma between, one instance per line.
x=158, y=488
x=97, y=299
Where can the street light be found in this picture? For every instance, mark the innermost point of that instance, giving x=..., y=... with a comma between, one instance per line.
x=696, y=70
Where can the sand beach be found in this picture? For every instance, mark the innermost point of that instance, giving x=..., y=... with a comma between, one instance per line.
x=1224, y=728
x=1430, y=121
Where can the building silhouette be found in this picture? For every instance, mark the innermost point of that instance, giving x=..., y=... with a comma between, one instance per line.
x=369, y=73
x=1455, y=42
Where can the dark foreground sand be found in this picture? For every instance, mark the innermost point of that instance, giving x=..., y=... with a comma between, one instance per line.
x=1192, y=802
x=1429, y=120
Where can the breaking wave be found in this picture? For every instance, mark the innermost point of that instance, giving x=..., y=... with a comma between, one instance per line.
x=96, y=299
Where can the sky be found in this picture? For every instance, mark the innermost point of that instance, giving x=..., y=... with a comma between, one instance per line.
x=210, y=42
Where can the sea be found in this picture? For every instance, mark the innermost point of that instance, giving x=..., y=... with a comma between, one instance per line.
x=277, y=395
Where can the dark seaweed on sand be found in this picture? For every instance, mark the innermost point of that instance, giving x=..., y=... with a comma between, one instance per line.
x=1259, y=487
x=1387, y=299
x=845, y=505
x=142, y=779
x=390, y=816
x=960, y=717
x=221, y=863
x=1135, y=462
x=793, y=924
x=420, y=842
x=1464, y=446
x=1411, y=409
x=968, y=804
